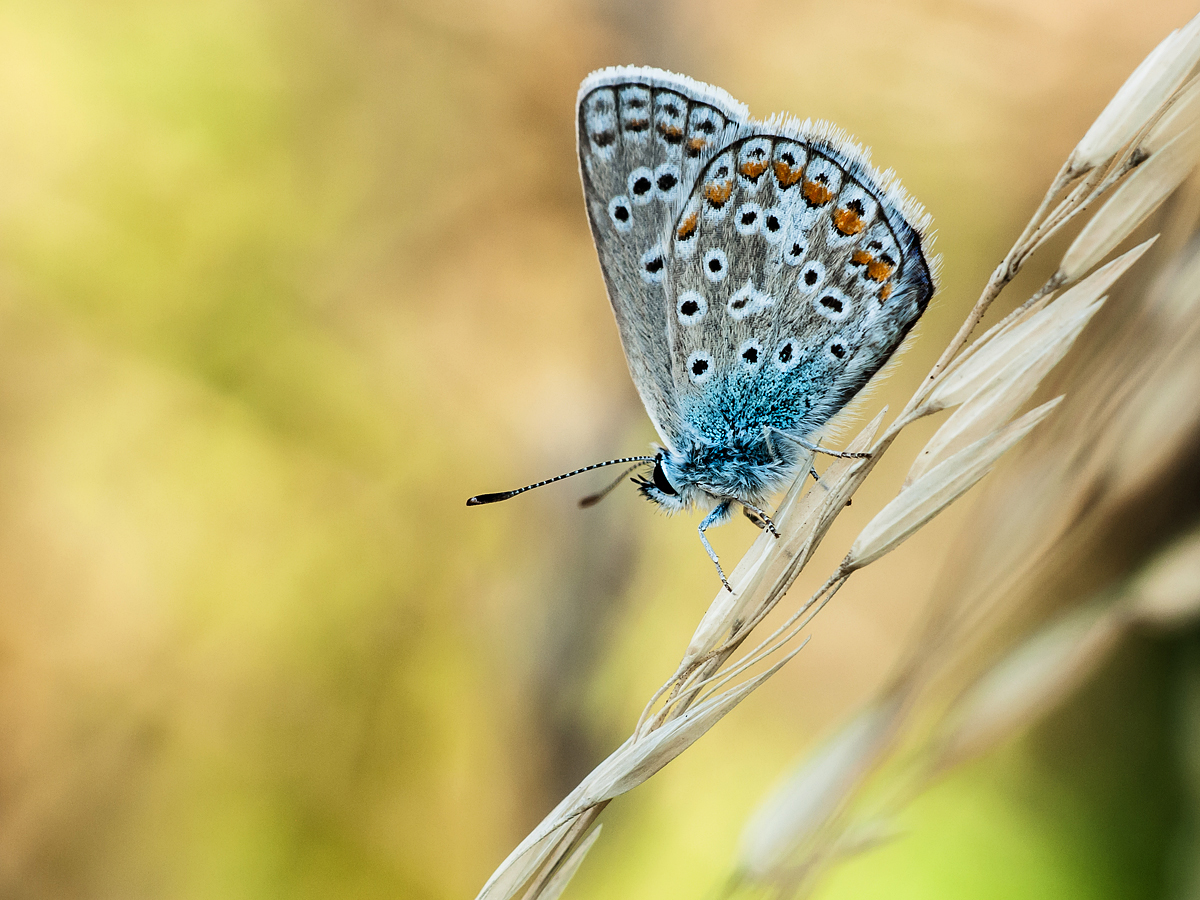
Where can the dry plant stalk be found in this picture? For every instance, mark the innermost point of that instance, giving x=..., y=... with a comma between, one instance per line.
x=1139, y=150
x=831, y=806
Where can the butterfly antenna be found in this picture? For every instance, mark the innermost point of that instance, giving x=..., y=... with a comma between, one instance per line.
x=593, y=499
x=504, y=495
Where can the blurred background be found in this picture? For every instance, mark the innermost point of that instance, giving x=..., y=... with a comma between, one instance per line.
x=282, y=284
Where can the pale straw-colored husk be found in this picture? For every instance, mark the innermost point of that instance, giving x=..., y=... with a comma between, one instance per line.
x=936, y=489
x=1132, y=202
x=1183, y=113
x=1149, y=87
x=558, y=881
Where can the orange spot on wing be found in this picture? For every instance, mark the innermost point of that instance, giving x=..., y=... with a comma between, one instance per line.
x=697, y=144
x=717, y=194
x=753, y=168
x=885, y=293
x=860, y=257
x=672, y=133
x=786, y=175
x=816, y=193
x=879, y=271
x=847, y=221
x=688, y=228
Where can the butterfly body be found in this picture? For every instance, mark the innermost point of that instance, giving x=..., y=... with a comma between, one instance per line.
x=760, y=274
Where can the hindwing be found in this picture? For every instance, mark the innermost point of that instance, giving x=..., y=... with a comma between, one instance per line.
x=794, y=271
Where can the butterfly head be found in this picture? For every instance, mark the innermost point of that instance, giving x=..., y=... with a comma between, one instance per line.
x=664, y=485
x=742, y=467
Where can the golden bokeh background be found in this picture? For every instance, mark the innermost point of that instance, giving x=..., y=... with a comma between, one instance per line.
x=281, y=284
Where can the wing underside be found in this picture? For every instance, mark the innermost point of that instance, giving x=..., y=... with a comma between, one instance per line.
x=760, y=272
x=792, y=277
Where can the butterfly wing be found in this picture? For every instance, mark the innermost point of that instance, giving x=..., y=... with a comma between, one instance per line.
x=794, y=272
x=644, y=136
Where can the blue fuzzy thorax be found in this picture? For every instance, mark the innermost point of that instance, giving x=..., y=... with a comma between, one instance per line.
x=742, y=467
x=735, y=443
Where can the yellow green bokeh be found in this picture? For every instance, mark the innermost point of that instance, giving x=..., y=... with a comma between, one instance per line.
x=282, y=283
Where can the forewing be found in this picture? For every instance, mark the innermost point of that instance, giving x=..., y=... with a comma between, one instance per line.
x=644, y=135
x=794, y=272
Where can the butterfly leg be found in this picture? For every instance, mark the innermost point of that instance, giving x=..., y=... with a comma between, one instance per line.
x=768, y=431
x=759, y=517
x=718, y=515
x=815, y=448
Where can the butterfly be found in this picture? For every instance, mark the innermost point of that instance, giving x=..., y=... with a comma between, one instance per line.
x=760, y=274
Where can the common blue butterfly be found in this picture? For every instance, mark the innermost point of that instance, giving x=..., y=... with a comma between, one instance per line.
x=760, y=273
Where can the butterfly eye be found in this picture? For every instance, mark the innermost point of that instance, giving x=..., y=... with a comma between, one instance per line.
x=822, y=181
x=704, y=123
x=752, y=161
x=660, y=479
x=688, y=225
x=670, y=118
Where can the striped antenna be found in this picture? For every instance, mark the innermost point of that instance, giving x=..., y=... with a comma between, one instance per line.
x=504, y=495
